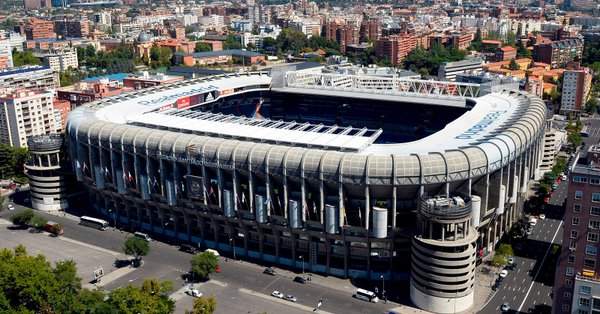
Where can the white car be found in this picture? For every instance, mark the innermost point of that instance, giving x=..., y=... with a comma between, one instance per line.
x=277, y=294
x=11, y=207
x=195, y=293
x=505, y=307
x=542, y=216
x=511, y=260
x=291, y=298
x=503, y=273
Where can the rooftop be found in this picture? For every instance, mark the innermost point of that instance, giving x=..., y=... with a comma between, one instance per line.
x=232, y=52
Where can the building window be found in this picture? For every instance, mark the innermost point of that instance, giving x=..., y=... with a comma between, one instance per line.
x=578, y=195
x=583, y=312
x=567, y=295
x=570, y=271
x=592, y=237
x=587, y=290
x=571, y=259
x=595, y=211
x=594, y=224
x=596, y=303
x=591, y=249
x=579, y=179
x=575, y=221
x=577, y=208
x=589, y=263
x=584, y=302
x=568, y=282
x=595, y=197
x=595, y=181
x=572, y=244
x=573, y=234
x=565, y=308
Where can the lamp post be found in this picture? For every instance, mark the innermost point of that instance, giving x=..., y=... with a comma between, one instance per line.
x=382, y=286
x=302, y=259
x=232, y=246
x=114, y=216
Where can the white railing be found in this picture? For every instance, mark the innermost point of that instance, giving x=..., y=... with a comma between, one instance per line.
x=382, y=85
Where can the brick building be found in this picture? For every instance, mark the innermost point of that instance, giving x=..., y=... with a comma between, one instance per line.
x=395, y=47
x=576, y=86
x=505, y=53
x=36, y=28
x=370, y=29
x=343, y=34
x=558, y=53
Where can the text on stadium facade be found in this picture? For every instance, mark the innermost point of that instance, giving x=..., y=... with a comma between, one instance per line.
x=192, y=91
x=481, y=125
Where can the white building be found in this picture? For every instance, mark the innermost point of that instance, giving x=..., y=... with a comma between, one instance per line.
x=25, y=113
x=15, y=39
x=449, y=70
x=308, y=26
x=586, y=292
x=212, y=21
x=187, y=19
x=61, y=61
x=265, y=31
x=553, y=141
x=6, y=60
x=102, y=18
x=575, y=90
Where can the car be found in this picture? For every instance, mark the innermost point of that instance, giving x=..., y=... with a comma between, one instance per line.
x=528, y=232
x=188, y=248
x=503, y=273
x=505, y=307
x=290, y=298
x=511, y=260
x=218, y=269
x=269, y=271
x=542, y=216
x=142, y=236
x=277, y=294
x=194, y=293
x=564, y=177
x=11, y=207
x=299, y=279
x=554, y=186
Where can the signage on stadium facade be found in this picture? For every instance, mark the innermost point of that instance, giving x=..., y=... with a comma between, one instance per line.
x=481, y=125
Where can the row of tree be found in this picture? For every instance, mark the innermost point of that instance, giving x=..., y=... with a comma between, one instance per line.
x=427, y=62
x=12, y=160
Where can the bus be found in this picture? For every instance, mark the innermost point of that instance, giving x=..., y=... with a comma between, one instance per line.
x=366, y=295
x=93, y=222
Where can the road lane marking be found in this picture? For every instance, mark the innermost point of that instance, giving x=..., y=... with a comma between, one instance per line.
x=539, y=268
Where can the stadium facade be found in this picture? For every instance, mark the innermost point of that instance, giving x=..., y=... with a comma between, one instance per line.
x=270, y=166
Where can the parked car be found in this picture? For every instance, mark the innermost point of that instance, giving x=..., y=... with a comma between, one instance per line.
x=503, y=273
x=194, y=293
x=505, y=307
x=269, y=271
x=299, y=279
x=218, y=269
x=142, y=236
x=542, y=216
x=188, y=248
x=277, y=294
x=11, y=207
x=290, y=297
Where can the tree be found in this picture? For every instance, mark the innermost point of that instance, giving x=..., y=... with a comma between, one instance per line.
x=204, y=305
x=136, y=247
x=24, y=58
x=203, y=264
x=202, y=47
x=38, y=221
x=232, y=42
x=22, y=218
x=522, y=51
x=151, y=298
x=513, y=65
x=591, y=105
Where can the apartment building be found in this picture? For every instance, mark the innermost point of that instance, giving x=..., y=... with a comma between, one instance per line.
x=36, y=28
x=35, y=77
x=343, y=34
x=553, y=141
x=577, y=280
x=395, y=47
x=370, y=29
x=505, y=53
x=575, y=89
x=66, y=27
x=6, y=60
x=61, y=61
x=559, y=53
x=26, y=113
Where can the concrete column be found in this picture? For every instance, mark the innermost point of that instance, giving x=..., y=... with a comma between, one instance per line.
x=367, y=206
x=394, y=206
x=220, y=187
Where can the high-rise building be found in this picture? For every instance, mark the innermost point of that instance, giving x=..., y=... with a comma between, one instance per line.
x=577, y=280
x=395, y=47
x=36, y=28
x=36, y=4
x=66, y=27
x=26, y=113
x=343, y=34
x=370, y=30
x=6, y=60
x=575, y=89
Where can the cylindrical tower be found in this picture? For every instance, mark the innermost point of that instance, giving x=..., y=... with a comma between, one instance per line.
x=47, y=182
x=443, y=255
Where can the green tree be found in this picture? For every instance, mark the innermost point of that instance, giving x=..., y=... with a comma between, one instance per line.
x=232, y=42
x=204, y=305
x=202, y=47
x=591, y=105
x=23, y=217
x=137, y=248
x=151, y=298
x=24, y=58
x=203, y=264
x=513, y=65
x=522, y=51
x=38, y=221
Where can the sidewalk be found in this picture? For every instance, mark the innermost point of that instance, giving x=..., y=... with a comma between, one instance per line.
x=110, y=277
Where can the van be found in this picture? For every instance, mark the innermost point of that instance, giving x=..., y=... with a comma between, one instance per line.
x=214, y=252
x=142, y=236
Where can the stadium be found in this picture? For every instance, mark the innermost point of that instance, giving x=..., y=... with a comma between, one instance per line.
x=346, y=175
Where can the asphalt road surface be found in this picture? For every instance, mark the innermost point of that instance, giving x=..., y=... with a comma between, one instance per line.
x=528, y=287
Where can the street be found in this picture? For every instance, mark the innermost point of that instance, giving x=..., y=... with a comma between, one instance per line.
x=241, y=279
x=528, y=288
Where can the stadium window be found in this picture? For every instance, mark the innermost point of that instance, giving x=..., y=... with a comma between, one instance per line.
x=578, y=195
x=579, y=179
x=592, y=237
x=595, y=197
x=595, y=211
